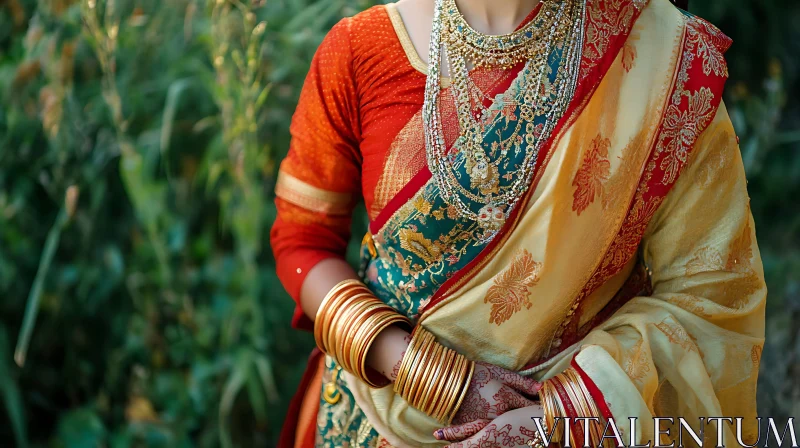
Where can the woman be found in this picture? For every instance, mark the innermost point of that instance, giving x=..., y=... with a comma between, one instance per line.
x=559, y=227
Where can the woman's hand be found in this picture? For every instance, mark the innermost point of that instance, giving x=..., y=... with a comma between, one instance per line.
x=515, y=428
x=492, y=392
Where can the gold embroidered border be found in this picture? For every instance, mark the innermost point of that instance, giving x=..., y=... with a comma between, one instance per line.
x=302, y=194
x=408, y=47
x=405, y=39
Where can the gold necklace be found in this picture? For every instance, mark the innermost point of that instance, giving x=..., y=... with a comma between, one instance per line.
x=504, y=50
x=494, y=202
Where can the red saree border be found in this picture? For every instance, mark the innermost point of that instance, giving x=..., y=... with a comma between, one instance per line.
x=683, y=121
x=576, y=429
x=424, y=175
x=594, y=391
x=598, y=57
x=402, y=197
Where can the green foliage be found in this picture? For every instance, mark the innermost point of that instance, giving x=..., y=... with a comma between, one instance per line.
x=139, y=141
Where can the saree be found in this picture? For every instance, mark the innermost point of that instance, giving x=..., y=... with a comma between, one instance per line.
x=631, y=257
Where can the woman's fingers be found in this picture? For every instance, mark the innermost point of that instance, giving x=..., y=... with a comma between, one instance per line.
x=516, y=381
x=457, y=433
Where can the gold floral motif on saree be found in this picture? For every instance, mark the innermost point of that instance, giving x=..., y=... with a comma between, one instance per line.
x=606, y=19
x=638, y=366
x=629, y=51
x=738, y=261
x=677, y=335
x=706, y=259
x=594, y=171
x=689, y=303
x=687, y=116
x=716, y=160
x=741, y=251
x=755, y=354
x=511, y=289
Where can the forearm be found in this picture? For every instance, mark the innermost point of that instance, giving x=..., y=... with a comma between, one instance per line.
x=388, y=349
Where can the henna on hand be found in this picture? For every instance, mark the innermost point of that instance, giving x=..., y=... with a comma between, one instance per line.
x=513, y=429
x=494, y=391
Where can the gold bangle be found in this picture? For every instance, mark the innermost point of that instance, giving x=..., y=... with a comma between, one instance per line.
x=384, y=321
x=463, y=393
x=358, y=328
x=552, y=409
x=443, y=387
x=460, y=384
x=365, y=336
x=430, y=397
x=337, y=333
x=415, y=377
x=348, y=321
x=569, y=390
x=417, y=338
x=450, y=391
x=590, y=405
x=332, y=316
x=324, y=311
x=428, y=367
x=338, y=328
x=402, y=371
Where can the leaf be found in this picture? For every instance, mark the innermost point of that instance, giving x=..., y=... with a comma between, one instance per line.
x=174, y=93
x=12, y=399
x=35, y=295
x=232, y=387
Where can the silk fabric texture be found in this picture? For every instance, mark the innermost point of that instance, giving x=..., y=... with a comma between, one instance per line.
x=645, y=172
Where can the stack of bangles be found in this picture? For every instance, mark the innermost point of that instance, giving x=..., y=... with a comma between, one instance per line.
x=348, y=322
x=431, y=377
x=566, y=395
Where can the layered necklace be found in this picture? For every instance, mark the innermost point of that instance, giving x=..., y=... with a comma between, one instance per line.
x=543, y=92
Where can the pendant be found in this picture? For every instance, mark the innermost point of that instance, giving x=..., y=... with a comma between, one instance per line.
x=483, y=175
x=491, y=217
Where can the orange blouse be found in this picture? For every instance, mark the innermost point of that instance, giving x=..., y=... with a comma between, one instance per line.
x=357, y=132
x=360, y=92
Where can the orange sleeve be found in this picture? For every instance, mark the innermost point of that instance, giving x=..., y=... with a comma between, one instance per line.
x=319, y=180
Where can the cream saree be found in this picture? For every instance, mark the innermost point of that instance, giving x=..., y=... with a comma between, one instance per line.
x=633, y=253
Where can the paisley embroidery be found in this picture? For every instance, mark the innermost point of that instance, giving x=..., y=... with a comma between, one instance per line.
x=590, y=177
x=511, y=288
x=416, y=243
